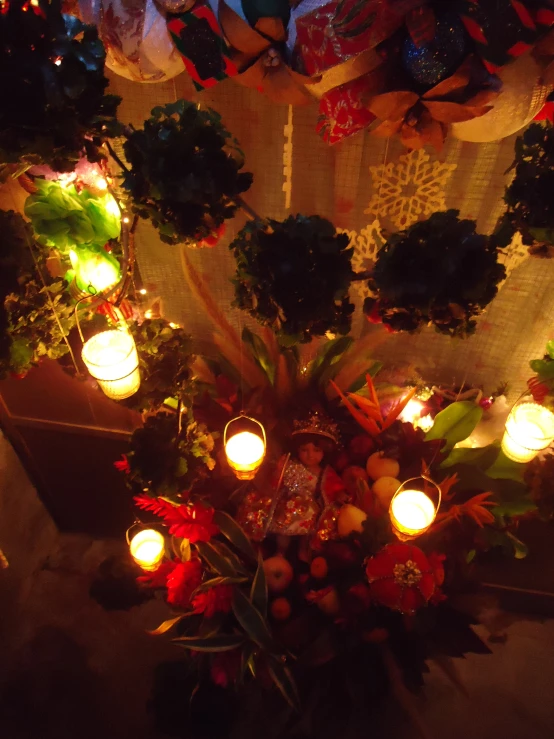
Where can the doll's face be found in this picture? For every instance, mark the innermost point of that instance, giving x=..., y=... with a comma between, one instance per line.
x=310, y=454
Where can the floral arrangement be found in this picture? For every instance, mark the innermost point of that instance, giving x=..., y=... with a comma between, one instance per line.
x=185, y=172
x=439, y=271
x=355, y=599
x=294, y=276
x=53, y=78
x=529, y=210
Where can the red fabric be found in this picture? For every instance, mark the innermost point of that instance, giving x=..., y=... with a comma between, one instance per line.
x=342, y=112
x=546, y=113
x=182, y=582
x=385, y=571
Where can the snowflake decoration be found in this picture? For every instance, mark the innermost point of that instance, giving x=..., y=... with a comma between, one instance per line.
x=410, y=188
x=366, y=244
x=514, y=254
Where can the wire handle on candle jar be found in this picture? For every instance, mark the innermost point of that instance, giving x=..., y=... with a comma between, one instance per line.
x=247, y=418
x=420, y=477
x=117, y=311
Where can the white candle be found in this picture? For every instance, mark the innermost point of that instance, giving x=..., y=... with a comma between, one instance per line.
x=147, y=548
x=111, y=358
x=412, y=512
x=529, y=428
x=245, y=452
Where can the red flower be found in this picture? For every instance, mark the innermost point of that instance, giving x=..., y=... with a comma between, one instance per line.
x=183, y=581
x=402, y=577
x=214, y=600
x=225, y=667
x=157, y=578
x=192, y=522
x=122, y=465
x=539, y=390
x=188, y=521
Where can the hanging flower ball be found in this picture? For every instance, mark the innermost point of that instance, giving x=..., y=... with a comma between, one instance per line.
x=522, y=96
x=430, y=63
x=401, y=577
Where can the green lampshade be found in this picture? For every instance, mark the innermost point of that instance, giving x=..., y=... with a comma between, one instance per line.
x=95, y=269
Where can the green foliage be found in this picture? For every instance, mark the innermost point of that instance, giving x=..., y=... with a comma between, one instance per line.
x=165, y=357
x=165, y=462
x=455, y=423
x=64, y=218
x=294, y=276
x=529, y=197
x=185, y=172
x=439, y=272
x=52, y=87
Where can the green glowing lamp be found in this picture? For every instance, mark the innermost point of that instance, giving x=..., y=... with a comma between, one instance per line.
x=95, y=270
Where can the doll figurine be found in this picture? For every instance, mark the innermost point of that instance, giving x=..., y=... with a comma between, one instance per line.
x=305, y=489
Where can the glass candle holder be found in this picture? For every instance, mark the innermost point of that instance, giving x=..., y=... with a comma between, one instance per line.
x=412, y=509
x=147, y=548
x=529, y=430
x=111, y=358
x=245, y=450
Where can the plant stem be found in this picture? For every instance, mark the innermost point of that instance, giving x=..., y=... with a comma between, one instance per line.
x=247, y=210
x=115, y=157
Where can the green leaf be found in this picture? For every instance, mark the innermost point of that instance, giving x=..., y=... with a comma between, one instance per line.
x=167, y=625
x=328, y=356
x=252, y=621
x=231, y=529
x=214, y=581
x=455, y=423
x=550, y=348
x=361, y=381
x=513, y=508
x=505, y=468
x=520, y=548
x=214, y=560
x=217, y=643
x=283, y=679
x=481, y=457
x=259, y=352
x=224, y=551
x=258, y=593
x=470, y=556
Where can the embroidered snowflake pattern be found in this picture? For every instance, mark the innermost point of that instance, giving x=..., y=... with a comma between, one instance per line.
x=366, y=243
x=412, y=187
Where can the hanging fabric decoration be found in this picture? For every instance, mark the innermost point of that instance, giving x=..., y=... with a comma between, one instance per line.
x=137, y=42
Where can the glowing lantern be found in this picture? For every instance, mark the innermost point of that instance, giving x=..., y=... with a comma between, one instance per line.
x=529, y=429
x=245, y=450
x=147, y=548
x=412, y=511
x=111, y=358
x=95, y=271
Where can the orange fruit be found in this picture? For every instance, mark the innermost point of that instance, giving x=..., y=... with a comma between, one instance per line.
x=280, y=609
x=319, y=568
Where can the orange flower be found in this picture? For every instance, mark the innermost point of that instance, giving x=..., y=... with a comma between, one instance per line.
x=475, y=508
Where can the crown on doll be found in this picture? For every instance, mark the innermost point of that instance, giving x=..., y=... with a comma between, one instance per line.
x=317, y=424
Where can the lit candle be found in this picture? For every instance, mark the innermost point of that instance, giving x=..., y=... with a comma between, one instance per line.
x=412, y=512
x=147, y=549
x=245, y=452
x=111, y=358
x=529, y=429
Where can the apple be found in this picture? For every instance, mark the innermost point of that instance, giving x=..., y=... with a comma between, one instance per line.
x=380, y=466
x=350, y=519
x=319, y=568
x=278, y=573
x=384, y=489
x=352, y=477
x=280, y=609
x=330, y=603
